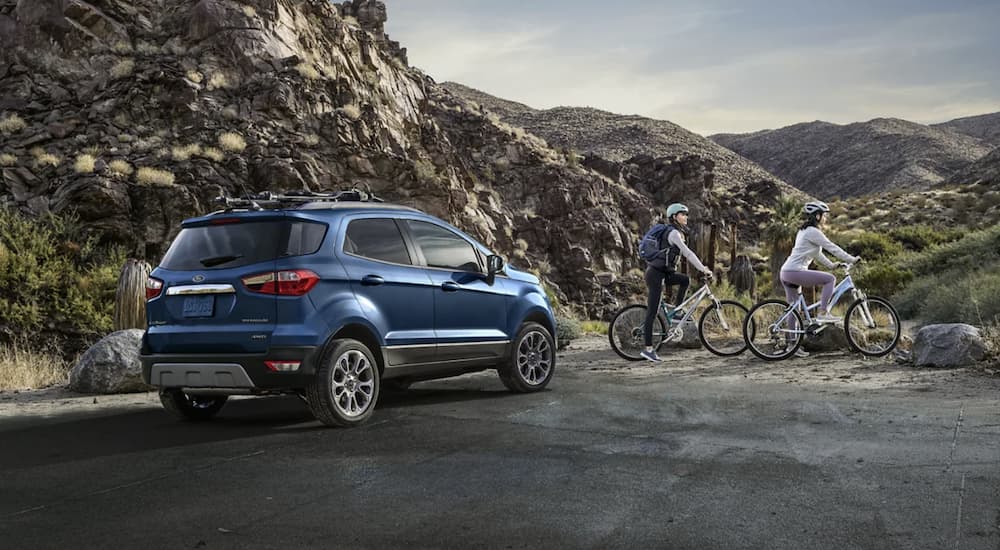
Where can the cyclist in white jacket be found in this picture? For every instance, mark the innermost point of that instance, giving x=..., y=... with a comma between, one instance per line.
x=810, y=242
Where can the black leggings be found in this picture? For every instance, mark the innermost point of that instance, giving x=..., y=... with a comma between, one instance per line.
x=655, y=281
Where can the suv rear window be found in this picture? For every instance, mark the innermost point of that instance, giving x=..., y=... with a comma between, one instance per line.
x=234, y=245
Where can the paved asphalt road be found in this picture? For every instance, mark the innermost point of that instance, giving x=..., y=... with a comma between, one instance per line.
x=606, y=458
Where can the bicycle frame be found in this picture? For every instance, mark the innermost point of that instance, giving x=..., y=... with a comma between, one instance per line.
x=846, y=285
x=690, y=305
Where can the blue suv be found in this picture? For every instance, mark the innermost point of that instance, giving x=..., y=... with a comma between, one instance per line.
x=333, y=297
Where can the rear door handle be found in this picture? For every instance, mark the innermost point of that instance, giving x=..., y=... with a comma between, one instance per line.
x=372, y=280
x=450, y=286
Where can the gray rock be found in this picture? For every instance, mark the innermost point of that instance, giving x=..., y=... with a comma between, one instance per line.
x=111, y=365
x=832, y=338
x=689, y=340
x=948, y=345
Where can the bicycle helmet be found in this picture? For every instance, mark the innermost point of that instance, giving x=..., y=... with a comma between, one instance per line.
x=675, y=209
x=815, y=207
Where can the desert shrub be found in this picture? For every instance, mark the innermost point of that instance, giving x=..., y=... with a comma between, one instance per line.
x=123, y=69
x=249, y=11
x=44, y=158
x=232, y=141
x=185, y=152
x=194, y=76
x=873, y=246
x=219, y=80
x=920, y=237
x=307, y=71
x=211, y=153
x=351, y=111
x=973, y=251
x=12, y=124
x=7, y=159
x=425, y=171
x=56, y=284
x=120, y=168
x=311, y=140
x=84, y=164
x=152, y=176
x=567, y=330
x=883, y=279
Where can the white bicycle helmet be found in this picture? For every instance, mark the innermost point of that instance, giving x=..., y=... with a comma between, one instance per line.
x=815, y=207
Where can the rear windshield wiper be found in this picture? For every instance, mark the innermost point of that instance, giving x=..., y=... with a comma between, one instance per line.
x=219, y=260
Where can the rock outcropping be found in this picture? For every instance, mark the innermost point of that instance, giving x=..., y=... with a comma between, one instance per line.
x=134, y=114
x=830, y=160
x=950, y=345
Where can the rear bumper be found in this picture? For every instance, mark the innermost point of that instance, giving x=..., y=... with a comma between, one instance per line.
x=229, y=373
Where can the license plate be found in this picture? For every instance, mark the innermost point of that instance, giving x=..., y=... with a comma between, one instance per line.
x=199, y=306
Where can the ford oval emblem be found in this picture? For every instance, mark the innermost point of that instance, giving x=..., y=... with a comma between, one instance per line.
x=198, y=278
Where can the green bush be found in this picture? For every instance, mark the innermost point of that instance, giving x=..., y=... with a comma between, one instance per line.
x=57, y=287
x=919, y=237
x=874, y=246
x=974, y=251
x=883, y=279
x=952, y=297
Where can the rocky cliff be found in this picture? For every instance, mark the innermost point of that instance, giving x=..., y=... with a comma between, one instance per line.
x=830, y=160
x=135, y=114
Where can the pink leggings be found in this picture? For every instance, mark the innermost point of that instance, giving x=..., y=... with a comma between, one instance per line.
x=808, y=278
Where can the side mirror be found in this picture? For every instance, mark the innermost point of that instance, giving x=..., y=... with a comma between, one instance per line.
x=494, y=265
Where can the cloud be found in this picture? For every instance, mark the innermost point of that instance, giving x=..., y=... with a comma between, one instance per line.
x=712, y=68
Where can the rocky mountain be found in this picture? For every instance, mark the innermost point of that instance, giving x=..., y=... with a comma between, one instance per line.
x=984, y=127
x=831, y=160
x=984, y=172
x=619, y=138
x=134, y=114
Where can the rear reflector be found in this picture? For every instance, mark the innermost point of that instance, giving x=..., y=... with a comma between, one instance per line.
x=283, y=283
x=153, y=288
x=224, y=221
x=282, y=366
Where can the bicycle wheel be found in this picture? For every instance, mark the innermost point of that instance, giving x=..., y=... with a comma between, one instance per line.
x=875, y=338
x=765, y=338
x=720, y=329
x=625, y=332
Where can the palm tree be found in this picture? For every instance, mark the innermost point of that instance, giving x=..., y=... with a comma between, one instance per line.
x=779, y=235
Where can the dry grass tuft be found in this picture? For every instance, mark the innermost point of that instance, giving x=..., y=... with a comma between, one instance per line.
x=44, y=158
x=249, y=11
x=152, y=176
x=351, y=111
x=194, y=76
x=219, y=81
x=84, y=164
x=7, y=159
x=145, y=48
x=12, y=124
x=311, y=140
x=232, y=141
x=22, y=369
x=123, y=69
x=120, y=168
x=211, y=153
x=185, y=152
x=307, y=70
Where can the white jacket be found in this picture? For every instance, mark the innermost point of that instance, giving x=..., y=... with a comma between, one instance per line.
x=809, y=245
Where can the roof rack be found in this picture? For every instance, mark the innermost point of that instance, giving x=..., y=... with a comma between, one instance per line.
x=268, y=199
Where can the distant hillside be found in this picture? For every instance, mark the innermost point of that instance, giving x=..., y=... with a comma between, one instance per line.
x=620, y=137
x=984, y=127
x=830, y=160
x=985, y=171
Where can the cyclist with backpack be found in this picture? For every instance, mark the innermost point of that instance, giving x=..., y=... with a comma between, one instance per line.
x=809, y=245
x=661, y=247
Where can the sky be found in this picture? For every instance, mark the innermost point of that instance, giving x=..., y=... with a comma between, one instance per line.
x=716, y=66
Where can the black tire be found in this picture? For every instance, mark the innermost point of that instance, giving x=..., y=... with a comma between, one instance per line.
x=346, y=387
x=625, y=335
x=532, y=360
x=734, y=313
x=759, y=338
x=886, y=310
x=196, y=408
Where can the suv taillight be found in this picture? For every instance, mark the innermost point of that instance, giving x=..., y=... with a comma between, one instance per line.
x=153, y=288
x=283, y=283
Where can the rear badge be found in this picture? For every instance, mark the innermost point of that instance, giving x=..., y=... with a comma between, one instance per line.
x=198, y=278
x=259, y=337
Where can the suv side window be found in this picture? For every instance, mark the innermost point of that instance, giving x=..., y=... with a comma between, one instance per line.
x=444, y=249
x=376, y=239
